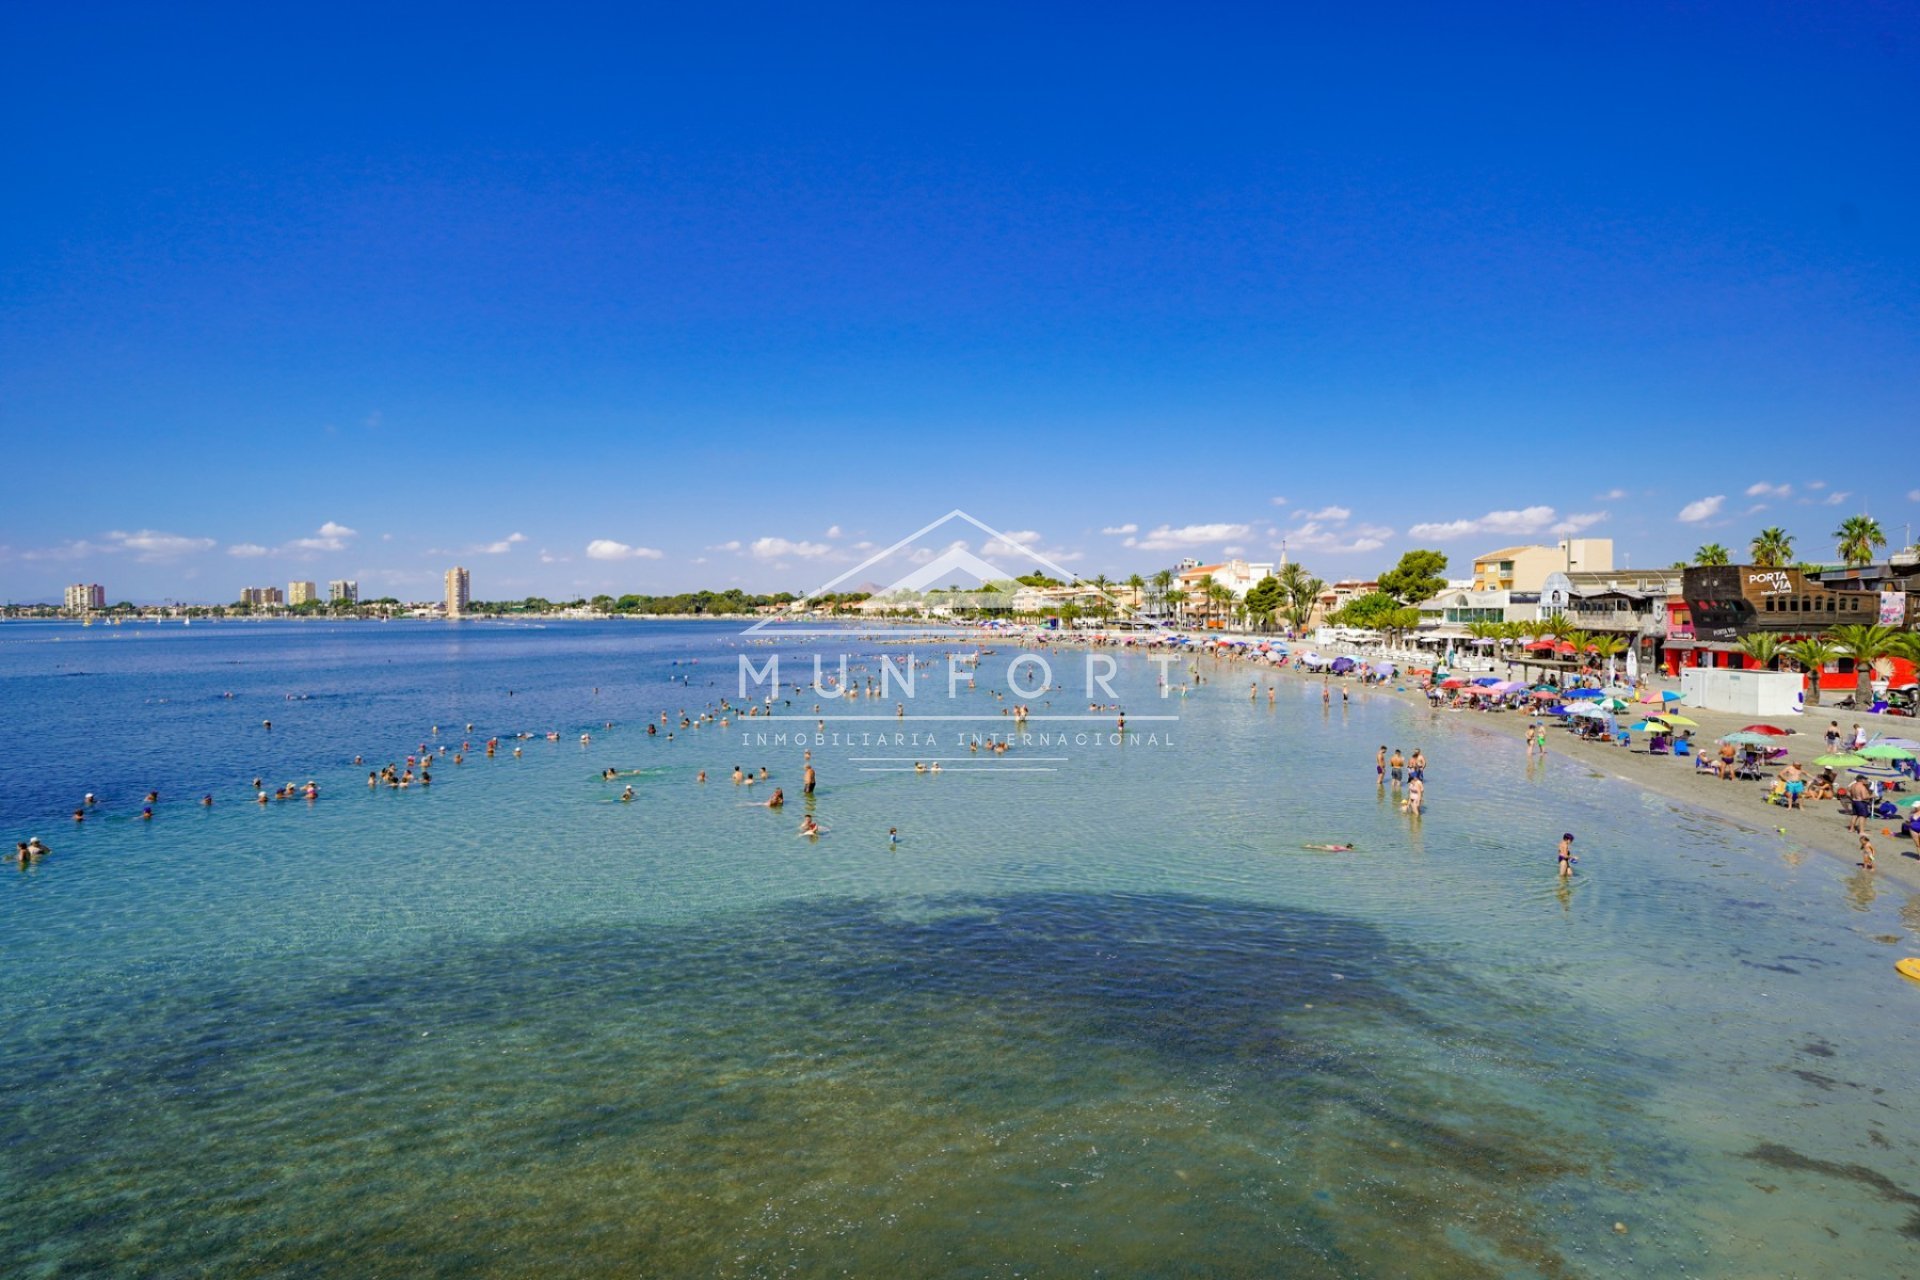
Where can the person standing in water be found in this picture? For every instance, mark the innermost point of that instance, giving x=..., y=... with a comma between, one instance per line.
x=1566, y=855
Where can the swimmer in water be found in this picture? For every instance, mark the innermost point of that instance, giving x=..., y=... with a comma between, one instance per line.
x=1330, y=848
x=1566, y=855
x=626, y=795
x=702, y=777
x=810, y=828
x=893, y=835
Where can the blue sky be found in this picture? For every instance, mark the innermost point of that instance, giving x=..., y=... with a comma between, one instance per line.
x=363, y=291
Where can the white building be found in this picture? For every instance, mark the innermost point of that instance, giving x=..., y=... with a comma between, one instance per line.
x=343, y=591
x=302, y=593
x=84, y=597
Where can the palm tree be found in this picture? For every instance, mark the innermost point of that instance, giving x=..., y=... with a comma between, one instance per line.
x=1100, y=582
x=1866, y=644
x=1606, y=646
x=1857, y=537
x=1813, y=654
x=1162, y=588
x=1760, y=646
x=1555, y=625
x=1712, y=554
x=1219, y=595
x=1303, y=597
x=1772, y=548
x=1205, y=586
x=1137, y=587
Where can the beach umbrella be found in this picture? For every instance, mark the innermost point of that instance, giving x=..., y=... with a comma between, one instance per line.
x=1590, y=712
x=1908, y=743
x=1583, y=694
x=1745, y=739
x=1612, y=704
x=1884, y=751
x=1487, y=680
x=1648, y=696
x=1668, y=695
x=1452, y=682
x=1771, y=729
x=1642, y=726
x=1842, y=761
x=1905, y=802
x=1680, y=721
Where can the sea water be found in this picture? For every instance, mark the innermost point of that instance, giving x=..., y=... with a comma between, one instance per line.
x=1098, y=1012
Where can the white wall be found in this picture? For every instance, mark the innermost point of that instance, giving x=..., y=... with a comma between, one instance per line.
x=1747, y=693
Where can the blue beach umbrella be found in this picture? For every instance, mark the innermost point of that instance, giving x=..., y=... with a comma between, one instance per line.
x=1583, y=694
x=1668, y=695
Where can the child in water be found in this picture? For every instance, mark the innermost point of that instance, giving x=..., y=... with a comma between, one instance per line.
x=1566, y=854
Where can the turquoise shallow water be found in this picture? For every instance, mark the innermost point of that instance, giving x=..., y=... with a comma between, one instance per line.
x=1107, y=1019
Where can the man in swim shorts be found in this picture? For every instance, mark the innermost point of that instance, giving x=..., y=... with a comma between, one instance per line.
x=1796, y=781
x=1380, y=765
x=1397, y=765
x=1859, y=806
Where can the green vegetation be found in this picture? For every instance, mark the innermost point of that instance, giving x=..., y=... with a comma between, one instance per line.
x=1772, y=548
x=1858, y=537
x=1420, y=575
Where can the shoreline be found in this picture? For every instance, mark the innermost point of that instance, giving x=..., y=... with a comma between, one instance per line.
x=1819, y=827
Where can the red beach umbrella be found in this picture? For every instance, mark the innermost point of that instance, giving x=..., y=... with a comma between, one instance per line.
x=1773, y=729
x=1565, y=646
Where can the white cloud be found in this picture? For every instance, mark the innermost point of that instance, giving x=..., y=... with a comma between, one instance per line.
x=1327, y=513
x=1575, y=523
x=1279, y=501
x=1765, y=490
x=732, y=544
x=608, y=549
x=1913, y=495
x=1612, y=495
x=1118, y=530
x=1701, y=509
x=1167, y=538
x=246, y=550
x=775, y=548
x=1816, y=484
x=833, y=531
x=1235, y=551
x=1016, y=542
x=863, y=546
x=332, y=529
x=1836, y=498
x=150, y=545
x=503, y=546
x=1316, y=536
x=1524, y=521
